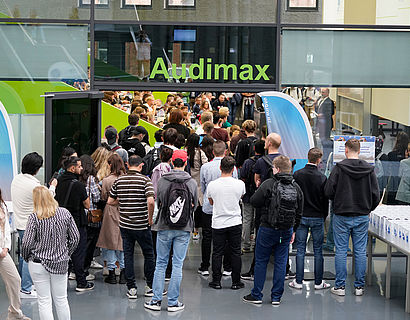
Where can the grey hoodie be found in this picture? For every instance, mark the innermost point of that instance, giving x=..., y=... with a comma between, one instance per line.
x=162, y=190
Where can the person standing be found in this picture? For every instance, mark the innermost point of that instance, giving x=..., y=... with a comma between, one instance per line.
x=315, y=210
x=110, y=237
x=22, y=198
x=353, y=188
x=51, y=237
x=135, y=195
x=72, y=195
x=211, y=171
x=177, y=198
x=246, y=147
x=282, y=199
x=224, y=195
x=8, y=271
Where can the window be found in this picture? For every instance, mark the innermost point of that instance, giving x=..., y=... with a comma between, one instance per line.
x=300, y=5
x=175, y=4
x=98, y=3
x=138, y=3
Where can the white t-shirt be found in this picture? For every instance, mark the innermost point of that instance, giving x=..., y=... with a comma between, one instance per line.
x=226, y=193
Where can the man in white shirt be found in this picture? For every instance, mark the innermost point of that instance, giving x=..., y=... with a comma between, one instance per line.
x=22, y=198
x=224, y=194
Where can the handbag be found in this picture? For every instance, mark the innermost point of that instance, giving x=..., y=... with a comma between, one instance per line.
x=94, y=216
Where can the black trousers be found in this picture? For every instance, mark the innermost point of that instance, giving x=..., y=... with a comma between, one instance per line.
x=92, y=238
x=206, y=245
x=78, y=258
x=168, y=272
x=232, y=237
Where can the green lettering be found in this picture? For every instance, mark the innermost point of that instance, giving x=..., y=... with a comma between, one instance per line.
x=209, y=68
x=246, y=74
x=262, y=71
x=174, y=72
x=159, y=68
x=226, y=69
x=200, y=68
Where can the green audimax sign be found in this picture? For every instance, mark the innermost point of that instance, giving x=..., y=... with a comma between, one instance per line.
x=210, y=71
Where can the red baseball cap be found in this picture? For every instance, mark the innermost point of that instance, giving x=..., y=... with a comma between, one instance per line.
x=180, y=154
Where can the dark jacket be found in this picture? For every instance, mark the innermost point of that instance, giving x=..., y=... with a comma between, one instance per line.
x=124, y=134
x=352, y=185
x=312, y=182
x=235, y=140
x=244, y=150
x=262, y=197
x=75, y=200
x=134, y=147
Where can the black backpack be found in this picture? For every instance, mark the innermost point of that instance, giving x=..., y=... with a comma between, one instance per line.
x=283, y=204
x=151, y=160
x=250, y=177
x=177, y=209
x=125, y=134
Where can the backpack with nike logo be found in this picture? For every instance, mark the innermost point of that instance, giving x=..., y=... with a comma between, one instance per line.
x=178, y=207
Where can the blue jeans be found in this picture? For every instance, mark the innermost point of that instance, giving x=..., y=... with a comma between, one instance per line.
x=165, y=239
x=144, y=239
x=357, y=227
x=112, y=256
x=26, y=281
x=316, y=226
x=269, y=239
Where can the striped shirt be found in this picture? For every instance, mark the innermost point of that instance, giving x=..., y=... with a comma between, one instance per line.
x=52, y=240
x=132, y=191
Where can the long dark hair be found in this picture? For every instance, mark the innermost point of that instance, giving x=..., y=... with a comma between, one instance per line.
x=117, y=167
x=402, y=141
x=207, y=147
x=65, y=154
x=192, y=144
x=88, y=168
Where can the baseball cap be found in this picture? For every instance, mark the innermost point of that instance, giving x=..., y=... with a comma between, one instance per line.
x=139, y=129
x=111, y=135
x=179, y=154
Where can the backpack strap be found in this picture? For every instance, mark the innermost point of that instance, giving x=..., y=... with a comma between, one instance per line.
x=116, y=148
x=268, y=161
x=68, y=192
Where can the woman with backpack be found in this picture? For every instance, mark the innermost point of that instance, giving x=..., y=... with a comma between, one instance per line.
x=196, y=158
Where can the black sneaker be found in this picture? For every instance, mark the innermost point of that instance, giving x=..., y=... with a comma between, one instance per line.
x=203, y=272
x=290, y=275
x=251, y=299
x=247, y=276
x=215, y=285
x=153, y=305
x=237, y=286
x=89, y=286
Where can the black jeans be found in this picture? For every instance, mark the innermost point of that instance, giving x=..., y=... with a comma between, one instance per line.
x=232, y=237
x=206, y=245
x=78, y=258
x=168, y=272
x=92, y=238
x=144, y=239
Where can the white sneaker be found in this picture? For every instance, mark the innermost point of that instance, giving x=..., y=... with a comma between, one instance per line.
x=358, y=291
x=95, y=265
x=132, y=293
x=90, y=277
x=226, y=273
x=323, y=285
x=204, y=273
x=293, y=284
x=28, y=295
x=71, y=276
x=338, y=291
x=177, y=307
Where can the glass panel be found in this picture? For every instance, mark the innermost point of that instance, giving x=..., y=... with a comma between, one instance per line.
x=224, y=11
x=185, y=54
x=45, y=9
x=346, y=58
x=43, y=52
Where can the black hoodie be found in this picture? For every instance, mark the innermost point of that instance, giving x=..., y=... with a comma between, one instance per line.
x=353, y=187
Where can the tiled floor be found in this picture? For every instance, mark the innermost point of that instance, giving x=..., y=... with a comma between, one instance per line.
x=203, y=303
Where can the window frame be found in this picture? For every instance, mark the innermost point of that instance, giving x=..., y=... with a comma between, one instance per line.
x=291, y=8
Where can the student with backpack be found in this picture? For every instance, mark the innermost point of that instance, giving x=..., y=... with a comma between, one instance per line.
x=246, y=147
x=177, y=198
x=282, y=200
x=224, y=194
x=247, y=176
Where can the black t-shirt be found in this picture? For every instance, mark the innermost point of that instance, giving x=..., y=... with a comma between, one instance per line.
x=75, y=200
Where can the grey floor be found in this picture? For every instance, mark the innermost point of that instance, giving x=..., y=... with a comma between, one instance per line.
x=202, y=302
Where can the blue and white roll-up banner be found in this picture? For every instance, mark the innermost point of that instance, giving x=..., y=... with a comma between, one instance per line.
x=285, y=116
x=8, y=159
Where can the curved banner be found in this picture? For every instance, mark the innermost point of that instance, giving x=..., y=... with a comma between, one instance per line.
x=285, y=116
x=8, y=159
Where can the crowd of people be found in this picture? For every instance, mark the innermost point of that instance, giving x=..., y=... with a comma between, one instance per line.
x=229, y=186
